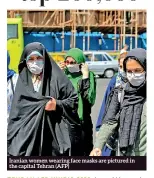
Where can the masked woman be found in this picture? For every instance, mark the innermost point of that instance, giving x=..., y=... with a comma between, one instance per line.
x=84, y=83
x=128, y=116
x=43, y=119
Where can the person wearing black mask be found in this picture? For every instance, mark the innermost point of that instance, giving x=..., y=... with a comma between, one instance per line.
x=129, y=115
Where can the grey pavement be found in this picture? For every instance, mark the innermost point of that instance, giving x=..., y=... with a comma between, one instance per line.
x=100, y=90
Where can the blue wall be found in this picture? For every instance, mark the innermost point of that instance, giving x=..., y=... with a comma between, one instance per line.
x=53, y=42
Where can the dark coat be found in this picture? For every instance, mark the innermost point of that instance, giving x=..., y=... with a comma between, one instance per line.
x=32, y=131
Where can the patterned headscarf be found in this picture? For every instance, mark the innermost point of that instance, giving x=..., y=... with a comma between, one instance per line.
x=121, y=77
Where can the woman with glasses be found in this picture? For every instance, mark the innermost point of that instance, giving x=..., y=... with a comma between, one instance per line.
x=84, y=83
x=127, y=117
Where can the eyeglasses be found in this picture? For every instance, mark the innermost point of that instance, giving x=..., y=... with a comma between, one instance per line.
x=69, y=62
x=136, y=71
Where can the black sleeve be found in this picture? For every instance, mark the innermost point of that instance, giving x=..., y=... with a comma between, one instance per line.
x=68, y=104
x=113, y=109
x=84, y=85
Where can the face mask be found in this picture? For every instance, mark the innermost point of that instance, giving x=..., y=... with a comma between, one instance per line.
x=73, y=68
x=136, y=79
x=35, y=67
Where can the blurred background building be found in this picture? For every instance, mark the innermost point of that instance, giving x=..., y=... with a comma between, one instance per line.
x=59, y=30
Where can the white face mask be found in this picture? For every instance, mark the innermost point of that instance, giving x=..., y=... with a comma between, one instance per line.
x=73, y=68
x=35, y=67
x=136, y=79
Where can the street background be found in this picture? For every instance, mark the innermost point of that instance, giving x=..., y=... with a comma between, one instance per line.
x=103, y=30
x=100, y=90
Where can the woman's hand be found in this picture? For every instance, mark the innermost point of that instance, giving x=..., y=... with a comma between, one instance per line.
x=62, y=65
x=95, y=152
x=51, y=105
x=85, y=70
x=97, y=134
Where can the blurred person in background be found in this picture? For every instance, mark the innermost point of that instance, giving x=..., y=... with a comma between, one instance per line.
x=118, y=80
x=12, y=77
x=127, y=117
x=84, y=83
